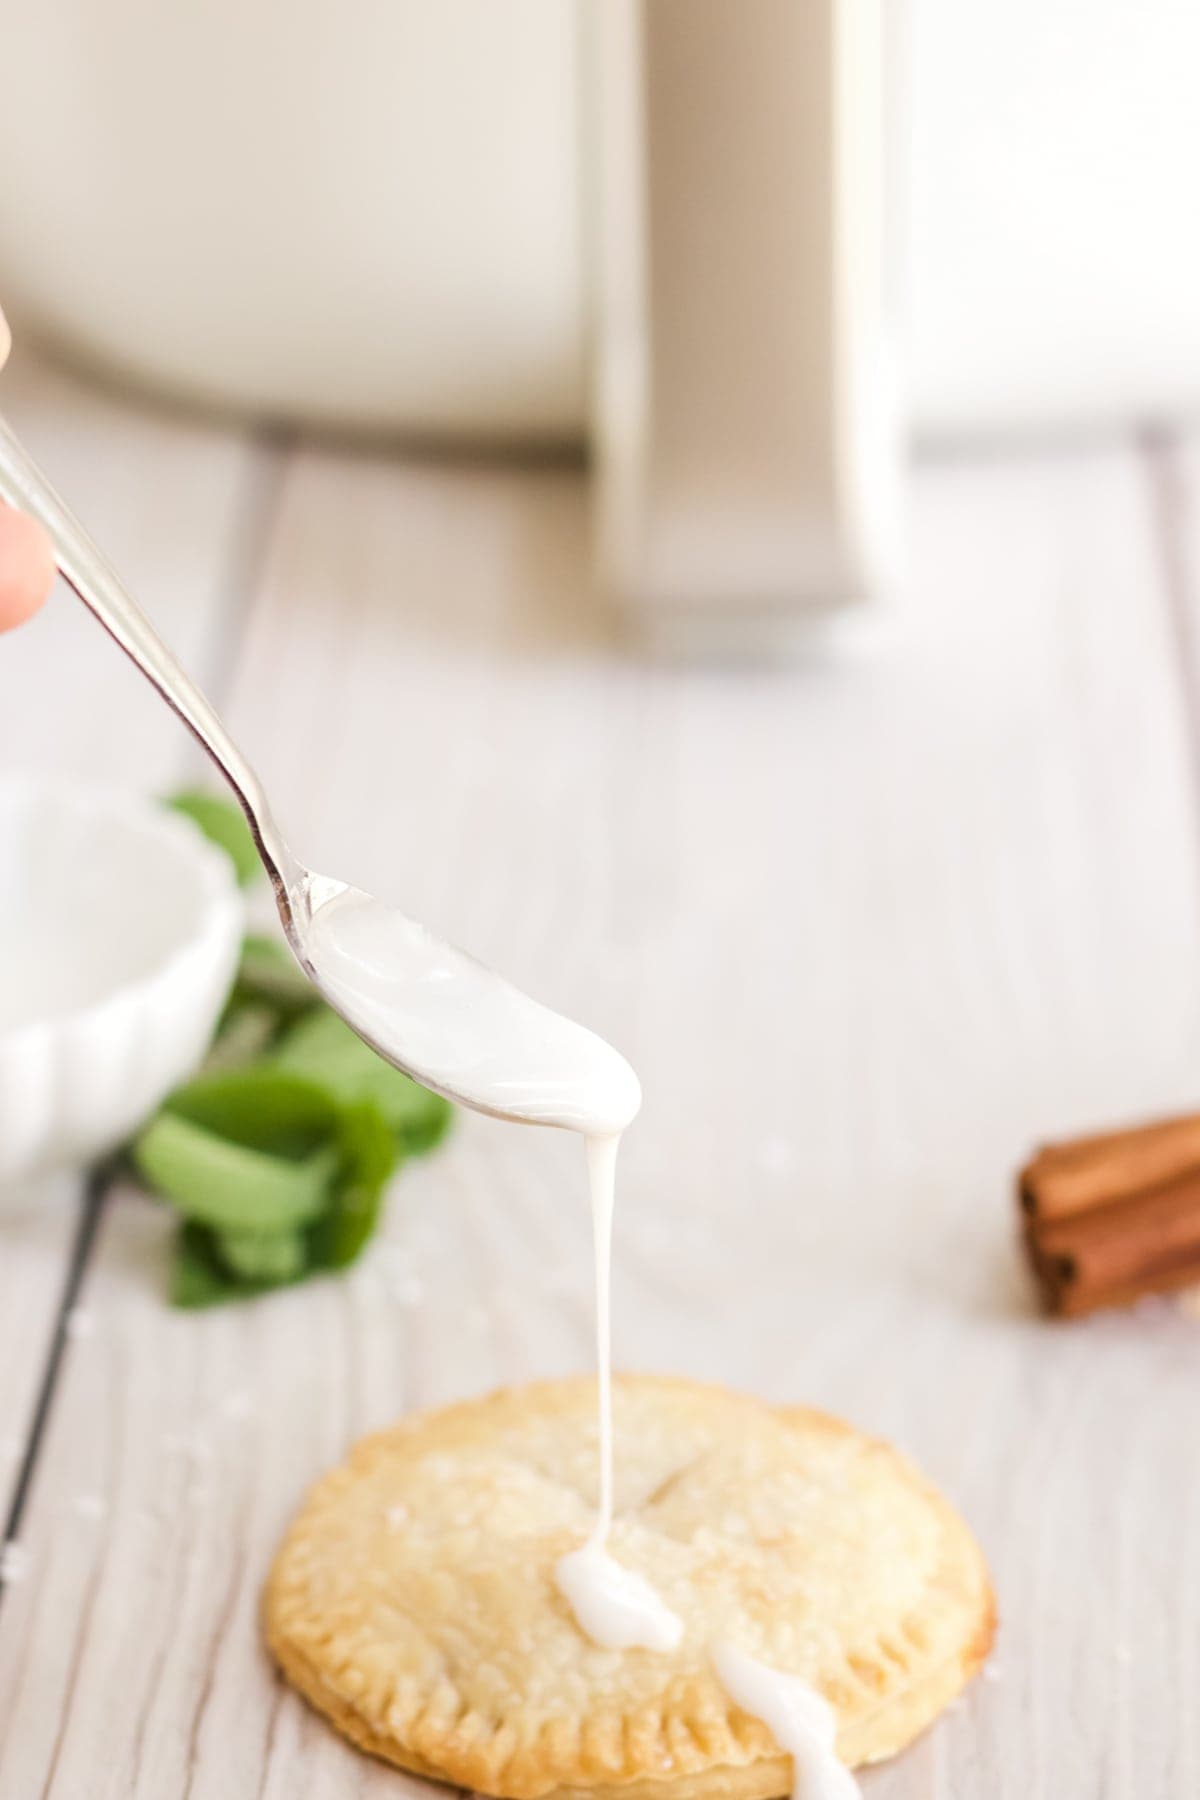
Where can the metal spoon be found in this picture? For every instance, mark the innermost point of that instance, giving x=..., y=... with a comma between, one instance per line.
x=424, y=1005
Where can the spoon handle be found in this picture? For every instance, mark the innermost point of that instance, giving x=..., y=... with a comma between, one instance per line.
x=97, y=584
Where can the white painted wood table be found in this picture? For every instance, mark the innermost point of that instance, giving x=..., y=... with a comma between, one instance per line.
x=868, y=931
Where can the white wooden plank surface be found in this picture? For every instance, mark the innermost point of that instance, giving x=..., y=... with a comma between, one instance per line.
x=163, y=498
x=867, y=932
x=1174, y=462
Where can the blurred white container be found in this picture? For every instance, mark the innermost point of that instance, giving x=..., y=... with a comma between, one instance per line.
x=359, y=212
x=119, y=934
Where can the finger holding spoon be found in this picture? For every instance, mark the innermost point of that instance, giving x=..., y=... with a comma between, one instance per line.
x=26, y=558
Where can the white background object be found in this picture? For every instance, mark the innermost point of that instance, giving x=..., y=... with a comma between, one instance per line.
x=745, y=361
x=378, y=212
x=364, y=212
x=1054, y=189
x=119, y=934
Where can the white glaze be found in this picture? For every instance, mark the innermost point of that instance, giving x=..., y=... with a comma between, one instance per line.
x=462, y=1029
x=800, y=1720
x=615, y=1606
x=459, y=1027
x=602, y=1178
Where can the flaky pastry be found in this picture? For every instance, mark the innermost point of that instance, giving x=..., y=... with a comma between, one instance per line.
x=413, y=1600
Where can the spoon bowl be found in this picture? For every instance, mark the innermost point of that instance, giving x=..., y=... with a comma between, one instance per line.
x=451, y=1022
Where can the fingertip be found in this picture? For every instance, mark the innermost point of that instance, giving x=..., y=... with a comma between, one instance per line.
x=27, y=567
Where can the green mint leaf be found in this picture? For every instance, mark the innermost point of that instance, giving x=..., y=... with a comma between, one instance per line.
x=223, y=1184
x=274, y=1177
x=246, y=1032
x=322, y=1047
x=197, y=1277
x=225, y=825
x=270, y=1258
x=269, y=972
x=278, y=1154
x=262, y=1107
x=204, y=1271
x=369, y=1156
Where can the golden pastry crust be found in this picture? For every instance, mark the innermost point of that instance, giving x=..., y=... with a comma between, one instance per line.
x=413, y=1600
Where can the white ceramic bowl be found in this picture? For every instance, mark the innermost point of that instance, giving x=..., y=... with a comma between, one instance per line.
x=119, y=934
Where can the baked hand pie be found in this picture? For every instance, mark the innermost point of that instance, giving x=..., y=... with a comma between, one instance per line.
x=414, y=1602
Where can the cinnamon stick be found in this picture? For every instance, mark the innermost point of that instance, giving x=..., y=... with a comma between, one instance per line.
x=1113, y=1217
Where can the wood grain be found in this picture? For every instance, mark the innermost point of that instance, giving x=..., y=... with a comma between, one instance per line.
x=868, y=931
x=163, y=498
x=1173, y=461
